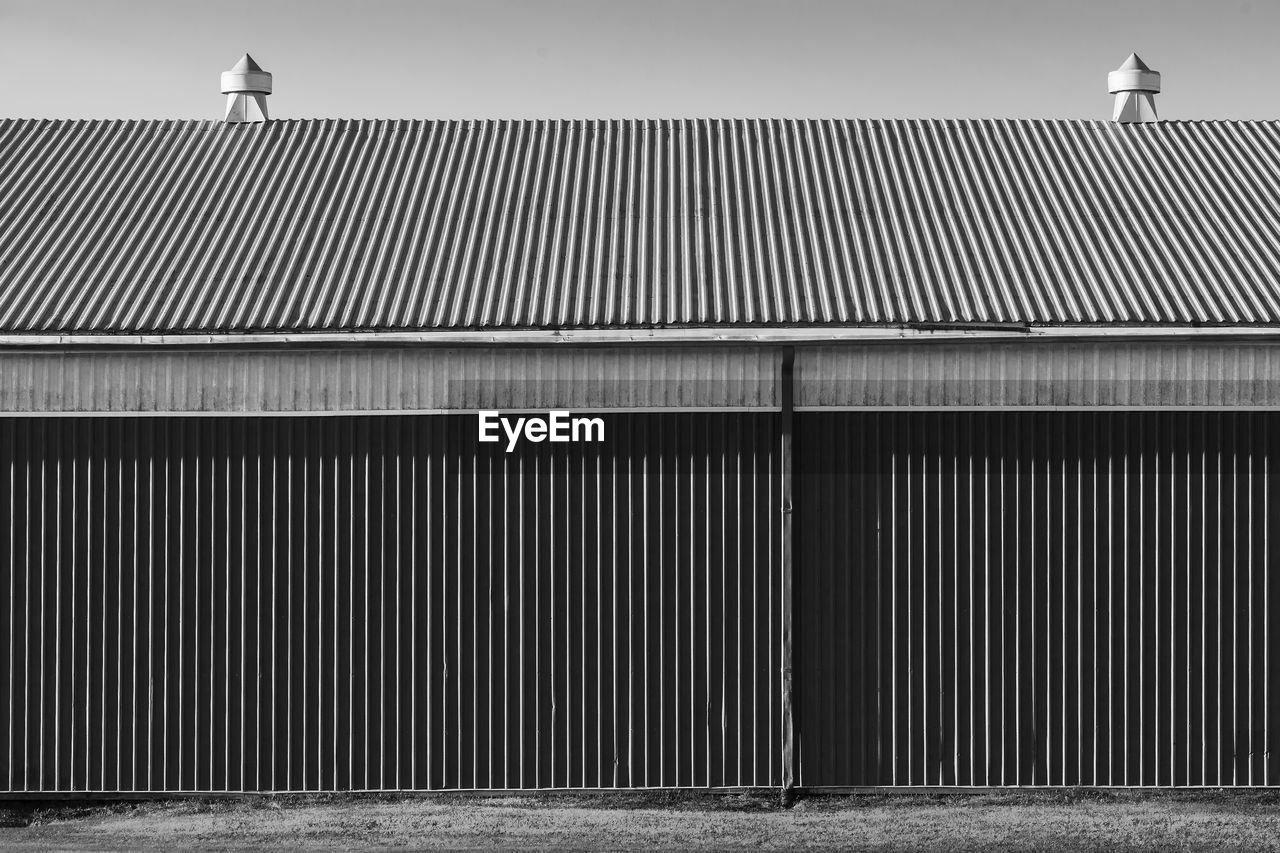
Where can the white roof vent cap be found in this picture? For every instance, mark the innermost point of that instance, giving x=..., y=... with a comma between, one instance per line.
x=246, y=86
x=1135, y=87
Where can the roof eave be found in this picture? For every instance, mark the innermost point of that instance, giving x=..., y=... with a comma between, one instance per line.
x=743, y=335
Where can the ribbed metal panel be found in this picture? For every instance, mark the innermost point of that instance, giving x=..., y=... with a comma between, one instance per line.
x=1038, y=598
x=422, y=379
x=1022, y=373
x=211, y=604
x=333, y=224
x=1044, y=374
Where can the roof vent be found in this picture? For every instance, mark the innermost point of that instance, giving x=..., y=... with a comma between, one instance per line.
x=246, y=86
x=1135, y=87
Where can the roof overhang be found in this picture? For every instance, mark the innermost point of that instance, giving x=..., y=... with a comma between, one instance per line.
x=634, y=336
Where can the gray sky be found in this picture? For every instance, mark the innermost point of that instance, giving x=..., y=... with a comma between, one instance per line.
x=606, y=58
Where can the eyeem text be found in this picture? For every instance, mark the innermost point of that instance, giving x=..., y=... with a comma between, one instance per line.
x=556, y=426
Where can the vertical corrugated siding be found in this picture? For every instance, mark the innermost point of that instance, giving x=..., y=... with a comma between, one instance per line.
x=1034, y=598
x=1038, y=598
x=213, y=604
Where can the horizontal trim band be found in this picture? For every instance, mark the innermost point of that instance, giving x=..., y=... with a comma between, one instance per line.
x=338, y=413
x=1013, y=407
x=743, y=335
x=634, y=411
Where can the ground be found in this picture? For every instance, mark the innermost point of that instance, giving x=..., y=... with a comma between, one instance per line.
x=1044, y=821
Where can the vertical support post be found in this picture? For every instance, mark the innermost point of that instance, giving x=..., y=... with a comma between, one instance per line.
x=786, y=391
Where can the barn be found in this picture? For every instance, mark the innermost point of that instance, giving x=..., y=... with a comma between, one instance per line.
x=931, y=453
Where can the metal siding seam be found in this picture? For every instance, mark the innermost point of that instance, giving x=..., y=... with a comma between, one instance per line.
x=786, y=602
x=6, y=443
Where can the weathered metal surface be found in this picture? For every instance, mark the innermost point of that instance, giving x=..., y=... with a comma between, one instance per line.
x=120, y=226
x=408, y=379
x=981, y=598
x=1038, y=598
x=226, y=604
x=887, y=375
x=1041, y=374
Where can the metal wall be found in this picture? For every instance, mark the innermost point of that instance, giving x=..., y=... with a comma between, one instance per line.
x=230, y=380
x=381, y=602
x=1037, y=598
x=1019, y=372
x=1024, y=372
x=320, y=603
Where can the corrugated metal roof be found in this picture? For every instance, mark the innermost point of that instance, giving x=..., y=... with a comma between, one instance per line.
x=151, y=226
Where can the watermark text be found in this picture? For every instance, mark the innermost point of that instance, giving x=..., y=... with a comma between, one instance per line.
x=555, y=427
